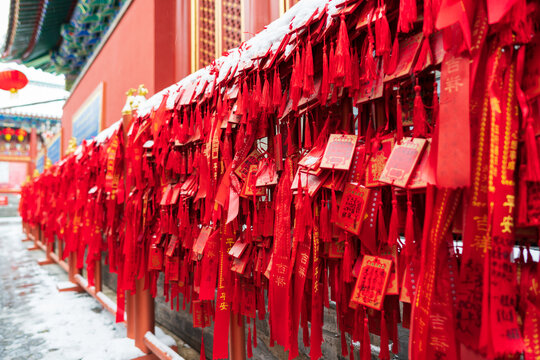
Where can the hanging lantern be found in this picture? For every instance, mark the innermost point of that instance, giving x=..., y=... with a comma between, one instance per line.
x=12, y=80
x=21, y=134
x=8, y=133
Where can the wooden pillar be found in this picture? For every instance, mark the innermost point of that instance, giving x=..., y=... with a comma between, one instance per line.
x=237, y=338
x=144, y=308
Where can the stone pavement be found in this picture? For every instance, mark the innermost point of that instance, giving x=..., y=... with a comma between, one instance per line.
x=38, y=322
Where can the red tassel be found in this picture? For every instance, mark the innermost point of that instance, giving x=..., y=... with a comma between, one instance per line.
x=266, y=99
x=365, y=345
x=533, y=162
x=254, y=333
x=347, y=260
x=399, y=118
x=409, y=227
x=407, y=15
x=383, y=41
x=334, y=201
x=296, y=81
x=342, y=56
x=429, y=19
x=203, y=355
x=394, y=221
x=369, y=135
x=332, y=68
x=249, y=348
x=276, y=91
x=370, y=67
x=432, y=159
x=308, y=70
x=381, y=226
x=256, y=96
x=384, y=354
x=351, y=354
x=324, y=220
x=343, y=344
x=289, y=141
x=425, y=52
x=522, y=196
x=390, y=68
x=325, y=82
x=307, y=135
x=419, y=114
x=355, y=73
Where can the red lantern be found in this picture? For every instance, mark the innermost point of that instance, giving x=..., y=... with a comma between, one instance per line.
x=21, y=133
x=8, y=133
x=12, y=80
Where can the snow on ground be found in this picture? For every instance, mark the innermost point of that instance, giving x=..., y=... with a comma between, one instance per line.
x=38, y=322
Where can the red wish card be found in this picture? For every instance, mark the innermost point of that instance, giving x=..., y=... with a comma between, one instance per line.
x=402, y=161
x=390, y=253
x=238, y=248
x=409, y=48
x=370, y=287
x=173, y=244
x=267, y=173
x=336, y=182
x=339, y=152
x=155, y=257
x=201, y=313
x=405, y=295
x=377, y=162
x=356, y=173
x=336, y=249
x=371, y=89
x=250, y=188
x=239, y=264
x=424, y=173
x=198, y=247
x=353, y=208
x=243, y=169
x=314, y=182
x=312, y=159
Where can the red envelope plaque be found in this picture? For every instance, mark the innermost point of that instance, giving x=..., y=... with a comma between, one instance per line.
x=424, y=173
x=339, y=152
x=371, y=285
x=353, y=208
x=377, y=162
x=243, y=169
x=402, y=161
x=408, y=53
x=198, y=247
x=250, y=186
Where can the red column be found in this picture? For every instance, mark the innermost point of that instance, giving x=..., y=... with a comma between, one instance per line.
x=257, y=14
x=182, y=43
x=33, y=151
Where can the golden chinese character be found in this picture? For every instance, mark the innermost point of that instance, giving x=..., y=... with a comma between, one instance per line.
x=510, y=202
x=304, y=258
x=280, y=281
x=453, y=83
x=282, y=269
x=481, y=242
x=481, y=223
x=507, y=224
x=223, y=306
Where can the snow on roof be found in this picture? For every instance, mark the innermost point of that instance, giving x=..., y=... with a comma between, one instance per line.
x=265, y=42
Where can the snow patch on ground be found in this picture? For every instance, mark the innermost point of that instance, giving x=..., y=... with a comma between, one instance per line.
x=51, y=325
x=78, y=326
